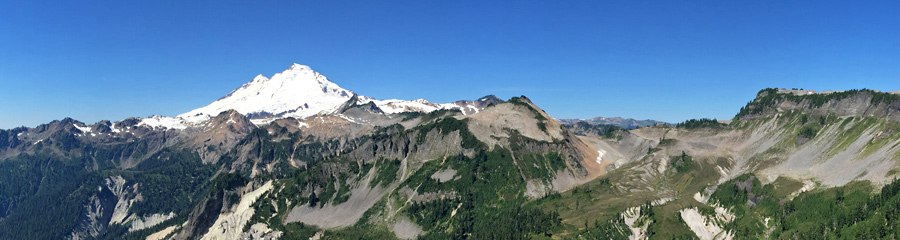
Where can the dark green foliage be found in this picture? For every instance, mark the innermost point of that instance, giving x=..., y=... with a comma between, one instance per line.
x=171, y=181
x=227, y=182
x=429, y=116
x=682, y=162
x=700, y=123
x=265, y=213
x=432, y=213
x=666, y=142
x=313, y=199
x=489, y=193
x=447, y=125
x=808, y=131
x=360, y=233
x=387, y=172
x=42, y=196
x=298, y=231
x=848, y=212
x=735, y=192
x=612, y=229
x=540, y=166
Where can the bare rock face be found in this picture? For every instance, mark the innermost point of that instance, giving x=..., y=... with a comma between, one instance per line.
x=220, y=134
x=101, y=209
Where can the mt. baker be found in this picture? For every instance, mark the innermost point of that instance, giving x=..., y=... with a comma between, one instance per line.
x=300, y=92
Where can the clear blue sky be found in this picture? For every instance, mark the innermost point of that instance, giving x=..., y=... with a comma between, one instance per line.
x=664, y=60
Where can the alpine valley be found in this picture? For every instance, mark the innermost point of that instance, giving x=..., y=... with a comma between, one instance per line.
x=295, y=156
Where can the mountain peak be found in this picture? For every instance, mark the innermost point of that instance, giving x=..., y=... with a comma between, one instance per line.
x=298, y=67
x=259, y=78
x=297, y=92
x=300, y=92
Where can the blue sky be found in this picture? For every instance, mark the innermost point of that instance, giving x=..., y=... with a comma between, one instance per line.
x=664, y=60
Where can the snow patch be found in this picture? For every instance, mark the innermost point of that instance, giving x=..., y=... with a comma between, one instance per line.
x=600, y=156
x=113, y=128
x=164, y=122
x=85, y=129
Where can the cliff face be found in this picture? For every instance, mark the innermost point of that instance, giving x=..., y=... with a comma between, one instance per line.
x=852, y=103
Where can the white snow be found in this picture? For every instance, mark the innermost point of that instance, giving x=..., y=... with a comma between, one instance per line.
x=113, y=128
x=349, y=119
x=299, y=92
x=164, y=122
x=600, y=157
x=85, y=129
x=262, y=121
x=302, y=125
x=473, y=108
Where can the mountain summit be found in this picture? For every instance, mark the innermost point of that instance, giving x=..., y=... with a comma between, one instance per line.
x=301, y=92
x=297, y=92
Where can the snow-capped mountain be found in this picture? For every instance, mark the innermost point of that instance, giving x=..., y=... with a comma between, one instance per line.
x=297, y=92
x=300, y=92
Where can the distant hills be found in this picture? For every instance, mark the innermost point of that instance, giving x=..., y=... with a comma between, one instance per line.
x=627, y=123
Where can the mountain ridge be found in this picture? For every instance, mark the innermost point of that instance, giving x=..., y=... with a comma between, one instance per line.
x=628, y=123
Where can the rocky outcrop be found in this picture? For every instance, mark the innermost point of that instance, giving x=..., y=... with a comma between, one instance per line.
x=852, y=103
x=96, y=214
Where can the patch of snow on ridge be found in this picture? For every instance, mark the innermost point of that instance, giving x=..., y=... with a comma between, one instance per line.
x=113, y=128
x=164, y=122
x=85, y=129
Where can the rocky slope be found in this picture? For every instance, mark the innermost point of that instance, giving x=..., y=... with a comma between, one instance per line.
x=790, y=141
